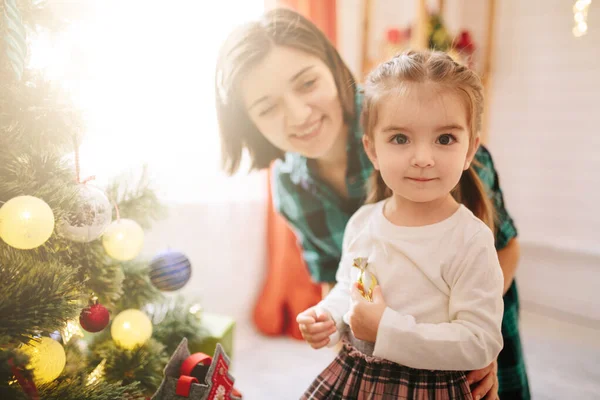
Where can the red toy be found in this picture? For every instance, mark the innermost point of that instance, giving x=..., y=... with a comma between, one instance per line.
x=197, y=376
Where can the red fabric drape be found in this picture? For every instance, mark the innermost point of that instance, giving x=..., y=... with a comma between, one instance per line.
x=321, y=12
x=288, y=289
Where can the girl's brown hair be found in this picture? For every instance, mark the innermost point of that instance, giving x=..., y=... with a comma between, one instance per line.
x=243, y=49
x=439, y=68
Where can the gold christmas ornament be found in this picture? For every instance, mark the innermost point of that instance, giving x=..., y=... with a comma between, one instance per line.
x=26, y=222
x=47, y=359
x=131, y=328
x=123, y=239
x=365, y=278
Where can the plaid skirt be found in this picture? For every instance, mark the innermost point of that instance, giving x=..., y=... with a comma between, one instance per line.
x=357, y=375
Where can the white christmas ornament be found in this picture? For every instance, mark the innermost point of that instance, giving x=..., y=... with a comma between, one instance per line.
x=89, y=221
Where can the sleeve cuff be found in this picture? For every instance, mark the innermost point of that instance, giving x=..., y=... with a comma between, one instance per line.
x=340, y=326
x=390, y=325
x=334, y=338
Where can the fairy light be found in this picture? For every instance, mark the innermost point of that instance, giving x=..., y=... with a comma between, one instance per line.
x=196, y=310
x=580, y=11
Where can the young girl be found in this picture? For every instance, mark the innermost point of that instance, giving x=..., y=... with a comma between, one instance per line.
x=437, y=310
x=283, y=92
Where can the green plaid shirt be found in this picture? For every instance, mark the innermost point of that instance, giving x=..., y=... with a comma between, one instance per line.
x=319, y=216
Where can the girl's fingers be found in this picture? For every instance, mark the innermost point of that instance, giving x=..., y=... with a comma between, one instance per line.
x=320, y=344
x=317, y=327
x=305, y=319
x=319, y=337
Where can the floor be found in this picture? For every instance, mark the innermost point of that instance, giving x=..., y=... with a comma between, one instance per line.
x=563, y=360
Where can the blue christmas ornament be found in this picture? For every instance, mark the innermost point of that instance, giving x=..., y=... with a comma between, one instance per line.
x=170, y=271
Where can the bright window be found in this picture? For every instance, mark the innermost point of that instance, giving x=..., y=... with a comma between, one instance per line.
x=143, y=74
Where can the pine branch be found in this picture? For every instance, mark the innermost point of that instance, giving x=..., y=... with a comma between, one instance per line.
x=36, y=114
x=137, y=287
x=76, y=360
x=97, y=342
x=102, y=275
x=19, y=360
x=178, y=323
x=39, y=174
x=105, y=281
x=77, y=389
x=143, y=364
x=12, y=392
x=42, y=288
x=52, y=16
x=139, y=203
x=35, y=296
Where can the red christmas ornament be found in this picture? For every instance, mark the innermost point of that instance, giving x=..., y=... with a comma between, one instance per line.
x=94, y=317
x=465, y=43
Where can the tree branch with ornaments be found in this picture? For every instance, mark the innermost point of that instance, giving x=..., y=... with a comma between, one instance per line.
x=82, y=313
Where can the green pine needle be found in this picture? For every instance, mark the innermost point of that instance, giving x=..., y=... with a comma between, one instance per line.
x=37, y=296
x=144, y=364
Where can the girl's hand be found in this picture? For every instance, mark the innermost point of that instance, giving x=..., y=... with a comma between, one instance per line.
x=364, y=316
x=316, y=326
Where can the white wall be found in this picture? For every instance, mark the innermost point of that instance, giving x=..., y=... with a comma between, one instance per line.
x=225, y=242
x=544, y=122
x=545, y=140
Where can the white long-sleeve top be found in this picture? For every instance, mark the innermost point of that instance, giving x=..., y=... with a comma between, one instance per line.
x=442, y=284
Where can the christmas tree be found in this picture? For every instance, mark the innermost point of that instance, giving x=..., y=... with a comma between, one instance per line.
x=79, y=315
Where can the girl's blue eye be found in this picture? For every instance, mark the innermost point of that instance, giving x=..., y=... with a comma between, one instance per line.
x=399, y=139
x=446, y=139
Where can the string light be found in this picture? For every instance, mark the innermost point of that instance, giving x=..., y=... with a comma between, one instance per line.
x=196, y=310
x=580, y=11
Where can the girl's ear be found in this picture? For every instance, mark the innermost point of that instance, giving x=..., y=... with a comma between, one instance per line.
x=370, y=150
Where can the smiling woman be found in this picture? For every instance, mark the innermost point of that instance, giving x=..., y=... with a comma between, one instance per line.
x=143, y=74
x=300, y=113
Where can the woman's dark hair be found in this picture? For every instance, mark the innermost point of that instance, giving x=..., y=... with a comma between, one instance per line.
x=243, y=49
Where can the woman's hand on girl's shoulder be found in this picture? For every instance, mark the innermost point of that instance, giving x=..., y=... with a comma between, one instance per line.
x=484, y=382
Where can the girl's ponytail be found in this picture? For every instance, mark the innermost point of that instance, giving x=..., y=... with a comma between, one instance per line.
x=377, y=190
x=471, y=192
